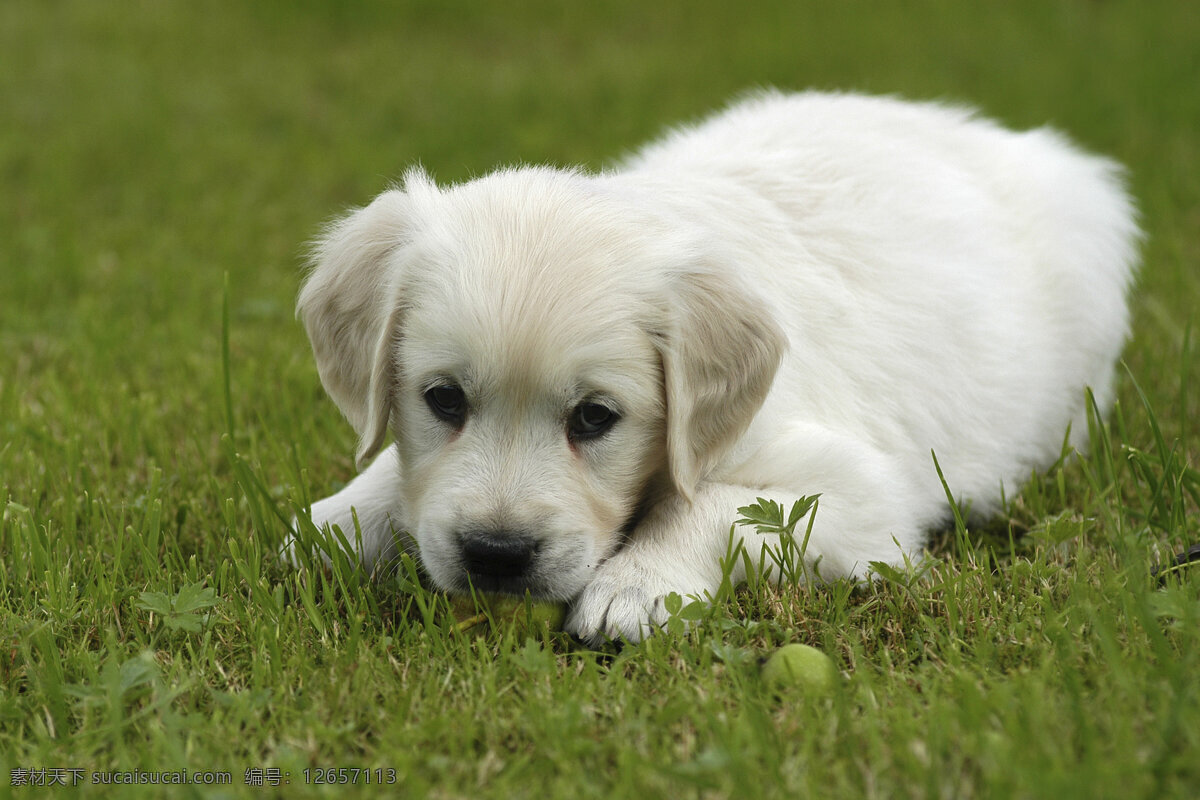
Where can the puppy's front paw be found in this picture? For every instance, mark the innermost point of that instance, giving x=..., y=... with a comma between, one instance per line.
x=365, y=535
x=627, y=600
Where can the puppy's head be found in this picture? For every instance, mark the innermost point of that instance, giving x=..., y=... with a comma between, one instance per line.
x=551, y=356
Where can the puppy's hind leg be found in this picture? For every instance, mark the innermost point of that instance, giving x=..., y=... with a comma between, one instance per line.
x=373, y=497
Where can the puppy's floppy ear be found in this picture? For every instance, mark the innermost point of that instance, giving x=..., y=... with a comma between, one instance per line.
x=720, y=350
x=351, y=308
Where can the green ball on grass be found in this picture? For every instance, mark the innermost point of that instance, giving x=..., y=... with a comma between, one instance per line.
x=799, y=668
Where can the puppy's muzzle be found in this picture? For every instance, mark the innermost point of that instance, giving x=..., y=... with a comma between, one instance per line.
x=498, y=560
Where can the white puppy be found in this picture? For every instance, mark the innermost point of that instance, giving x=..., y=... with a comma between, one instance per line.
x=586, y=375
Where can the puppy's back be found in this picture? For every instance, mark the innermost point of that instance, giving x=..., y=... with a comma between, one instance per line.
x=945, y=283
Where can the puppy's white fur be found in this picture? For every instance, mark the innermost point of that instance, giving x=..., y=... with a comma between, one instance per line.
x=804, y=294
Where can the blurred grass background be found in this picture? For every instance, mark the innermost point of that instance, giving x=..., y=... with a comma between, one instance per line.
x=149, y=149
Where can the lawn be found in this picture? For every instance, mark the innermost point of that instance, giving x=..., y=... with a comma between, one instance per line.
x=162, y=165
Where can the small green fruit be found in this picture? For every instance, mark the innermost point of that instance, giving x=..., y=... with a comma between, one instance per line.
x=543, y=614
x=548, y=614
x=799, y=667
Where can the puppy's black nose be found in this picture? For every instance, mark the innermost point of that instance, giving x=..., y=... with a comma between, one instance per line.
x=497, y=555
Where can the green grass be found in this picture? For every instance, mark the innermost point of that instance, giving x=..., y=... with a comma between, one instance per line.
x=149, y=150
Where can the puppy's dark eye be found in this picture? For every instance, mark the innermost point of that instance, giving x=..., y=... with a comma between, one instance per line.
x=591, y=420
x=447, y=402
